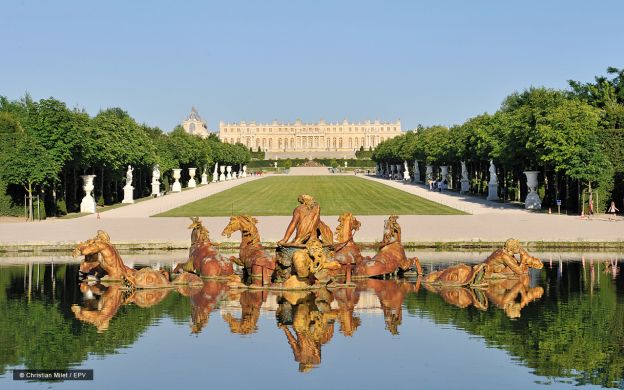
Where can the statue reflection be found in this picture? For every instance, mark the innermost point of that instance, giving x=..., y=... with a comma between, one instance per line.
x=347, y=298
x=513, y=295
x=310, y=316
x=203, y=301
x=461, y=297
x=391, y=294
x=101, y=302
x=510, y=295
x=250, y=302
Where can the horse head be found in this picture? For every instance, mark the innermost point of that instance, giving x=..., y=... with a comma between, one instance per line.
x=347, y=225
x=245, y=224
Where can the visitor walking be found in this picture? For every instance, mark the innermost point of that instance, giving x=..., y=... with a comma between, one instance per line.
x=612, y=211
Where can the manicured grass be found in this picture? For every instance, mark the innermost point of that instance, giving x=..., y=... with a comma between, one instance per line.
x=335, y=194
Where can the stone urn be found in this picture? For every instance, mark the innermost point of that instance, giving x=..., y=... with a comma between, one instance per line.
x=192, y=183
x=244, y=170
x=204, y=178
x=532, y=201
x=229, y=172
x=222, y=175
x=87, y=205
x=176, y=187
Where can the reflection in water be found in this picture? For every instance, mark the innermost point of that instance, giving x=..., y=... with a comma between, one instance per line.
x=571, y=323
x=311, y=318
x=510, y=295
x=250, y=302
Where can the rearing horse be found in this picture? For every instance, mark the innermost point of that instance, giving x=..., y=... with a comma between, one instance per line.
x=346, y=252
x=258, y=262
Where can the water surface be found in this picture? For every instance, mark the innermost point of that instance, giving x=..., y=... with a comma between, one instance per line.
x=562, y=327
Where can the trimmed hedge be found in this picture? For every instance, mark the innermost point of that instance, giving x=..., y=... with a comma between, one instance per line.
x=296, y=162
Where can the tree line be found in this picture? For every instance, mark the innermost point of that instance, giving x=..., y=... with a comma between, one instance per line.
x=574, y=137
x=45, y=147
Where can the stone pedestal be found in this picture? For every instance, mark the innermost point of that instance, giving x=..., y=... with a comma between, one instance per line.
x=465, y=186
x=222, y=175
x=192, y=183
x=176, y=187
x=532, y=201
x=492, y=191
x=155, y=188
x=128, y=194
x=87, y=205
x=229, y=172
x=204, y=177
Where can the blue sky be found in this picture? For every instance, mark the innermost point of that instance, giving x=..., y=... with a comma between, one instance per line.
x=425, y=62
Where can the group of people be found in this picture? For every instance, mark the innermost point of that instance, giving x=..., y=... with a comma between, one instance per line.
x=438, y=185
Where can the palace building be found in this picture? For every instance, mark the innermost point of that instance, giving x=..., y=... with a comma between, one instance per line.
x=195, y=125
x=309, y=140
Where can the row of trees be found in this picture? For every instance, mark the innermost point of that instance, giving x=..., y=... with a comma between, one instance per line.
x=575, y=137
x=45, y=147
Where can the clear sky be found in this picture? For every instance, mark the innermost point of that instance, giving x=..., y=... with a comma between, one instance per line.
x=425, y=62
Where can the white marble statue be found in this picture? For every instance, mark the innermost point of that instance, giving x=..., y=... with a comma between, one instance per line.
x=128, y=188
x=493, y=177
x=215, y=173
x=493, y=184
x=465, y=182
x=156, y=180
x=406, y=175
x=222, y=175
x=204, y=177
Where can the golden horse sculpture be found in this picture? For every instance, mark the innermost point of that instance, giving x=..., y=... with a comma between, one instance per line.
x=391, y=257
x=258, y=263
x=502, y=263
x=204, y=259
x=100, y=253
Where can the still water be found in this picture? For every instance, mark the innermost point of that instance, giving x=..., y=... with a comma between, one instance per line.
x=562, y=327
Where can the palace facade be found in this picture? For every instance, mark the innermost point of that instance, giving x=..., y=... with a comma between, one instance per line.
x=321, y=139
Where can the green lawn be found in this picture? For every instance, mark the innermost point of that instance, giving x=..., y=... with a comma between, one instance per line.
x=335, y=194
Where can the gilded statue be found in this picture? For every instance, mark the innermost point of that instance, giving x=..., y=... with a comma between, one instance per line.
x=100, y=252
x=204, y=259
x=258, y=262
x=346, y=252
x=306, y=223
x=502, y=263
x=391, y=257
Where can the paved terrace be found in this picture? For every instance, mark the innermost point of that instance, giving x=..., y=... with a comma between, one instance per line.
x=490, y=222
